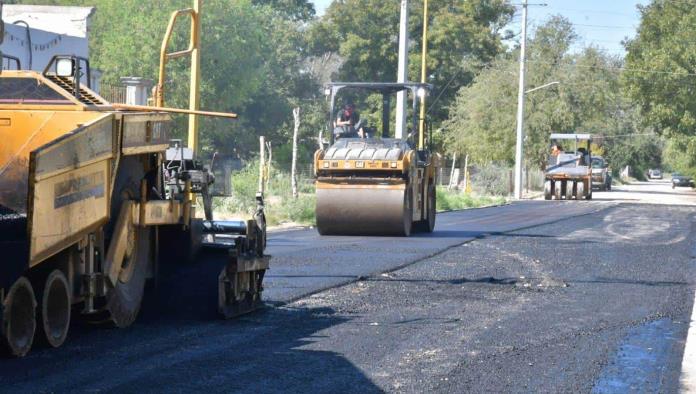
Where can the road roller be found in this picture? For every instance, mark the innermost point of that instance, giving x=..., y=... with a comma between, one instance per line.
x=369, y=182
x=88, y=202
x=568, y=174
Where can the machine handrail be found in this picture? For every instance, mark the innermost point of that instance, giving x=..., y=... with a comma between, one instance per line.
x=147, y=108
x=164, y=55
x=13, y=58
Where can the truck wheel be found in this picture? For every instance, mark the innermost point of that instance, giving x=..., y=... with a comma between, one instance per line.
x=56, y=302
x=19, y=318
x=569, y=189
x=122, y=301
x=427, y=225
x=548, y=190
x=558, y=189
x=408, y=212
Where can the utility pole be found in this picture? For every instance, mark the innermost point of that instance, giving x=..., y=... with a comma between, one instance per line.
x=424, y=77
x=402, y=72
x=519, y=149
x=293, y=166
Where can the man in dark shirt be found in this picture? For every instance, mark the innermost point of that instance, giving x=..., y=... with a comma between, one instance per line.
x=348, y=116
x=347, y=124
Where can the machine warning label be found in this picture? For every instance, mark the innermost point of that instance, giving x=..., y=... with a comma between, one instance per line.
x=78, y=189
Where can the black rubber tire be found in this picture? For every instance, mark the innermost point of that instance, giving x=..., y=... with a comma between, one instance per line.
x=580, y=190
x=123, y=301
x=408, y=212
x=18, y=319
x=56, y=304
x=569, y=189
x=558, y=190
x=428, y=225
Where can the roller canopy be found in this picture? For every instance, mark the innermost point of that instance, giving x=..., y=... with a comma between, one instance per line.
x=557, y=136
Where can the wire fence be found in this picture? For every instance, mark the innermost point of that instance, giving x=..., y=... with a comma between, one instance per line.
x=490, y=179
x=113, y=94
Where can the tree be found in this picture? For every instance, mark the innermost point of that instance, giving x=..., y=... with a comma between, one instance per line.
x=252, y=61
x=297, y=10
x=364, y=33
x=661, y=66
x=587, y=100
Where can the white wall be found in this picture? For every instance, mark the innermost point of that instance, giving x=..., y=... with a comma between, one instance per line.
x=44, y=45
x=54, y=30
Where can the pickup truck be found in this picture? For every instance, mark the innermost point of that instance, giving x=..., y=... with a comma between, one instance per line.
x=601, y=176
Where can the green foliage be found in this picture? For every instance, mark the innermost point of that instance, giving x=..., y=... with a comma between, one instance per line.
x=680, y=155
x=280, y=206
x=664, y=46
x=462, y=36
x=453, y=200
x=290, y=210
x=588, y=99
x=491, y=180
x=251, y=61
x=298, y=10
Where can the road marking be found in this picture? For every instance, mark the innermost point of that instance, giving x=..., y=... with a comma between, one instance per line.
x=687, y=380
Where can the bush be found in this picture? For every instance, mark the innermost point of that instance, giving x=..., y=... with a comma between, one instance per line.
x=280, y=206
x=453, y=200
x=299, y=210
x=491, y=180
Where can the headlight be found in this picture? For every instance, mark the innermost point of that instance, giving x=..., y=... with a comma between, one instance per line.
x=393, y=164
x=326, y=164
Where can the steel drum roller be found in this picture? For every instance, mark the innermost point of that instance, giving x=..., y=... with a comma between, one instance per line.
x=363, y=209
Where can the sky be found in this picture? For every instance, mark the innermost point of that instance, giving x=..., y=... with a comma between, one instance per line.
x=603, y=23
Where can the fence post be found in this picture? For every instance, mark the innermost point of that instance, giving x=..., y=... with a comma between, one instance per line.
x=269, y=148
x=526, y=177
x=454, y=161
x=262, y=164
x=293, y=169
x=466, y=173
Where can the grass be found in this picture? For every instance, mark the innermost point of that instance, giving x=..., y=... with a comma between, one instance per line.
x=448, y=200
x=282, y=209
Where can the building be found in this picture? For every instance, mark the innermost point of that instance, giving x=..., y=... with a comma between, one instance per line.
x=34, y=34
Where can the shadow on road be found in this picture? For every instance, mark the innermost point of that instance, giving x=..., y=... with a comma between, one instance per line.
x=180, y=344
x=674, y=192
x=477, y=234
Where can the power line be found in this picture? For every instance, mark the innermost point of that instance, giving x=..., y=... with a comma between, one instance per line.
x=618, y=68
x=604, y=26
x=602, y=137
x=603, y=12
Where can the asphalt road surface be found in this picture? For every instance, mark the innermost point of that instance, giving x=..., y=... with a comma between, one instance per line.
x=536, y=296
